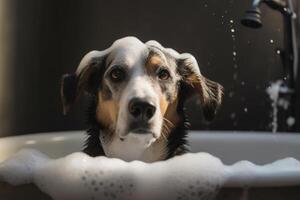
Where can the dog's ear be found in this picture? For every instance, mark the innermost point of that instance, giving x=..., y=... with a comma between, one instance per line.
x=73, y=85
x=209, y=92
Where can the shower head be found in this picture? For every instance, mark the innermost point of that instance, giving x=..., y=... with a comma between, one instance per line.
x=252, y=19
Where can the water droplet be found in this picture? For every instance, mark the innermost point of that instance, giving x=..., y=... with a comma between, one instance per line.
x=232, y=115
x=245, y=109
x=232, y=30
x=290, y=121
x=234, y=53
x=271, y=41
x=283, y=103
x=243, y=83
x=235, y=75
x=231, y=21
x=278, y=51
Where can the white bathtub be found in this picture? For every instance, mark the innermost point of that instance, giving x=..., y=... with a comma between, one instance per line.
x=230, y=147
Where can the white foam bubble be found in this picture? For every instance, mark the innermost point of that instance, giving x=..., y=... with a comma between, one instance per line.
x=20, y=167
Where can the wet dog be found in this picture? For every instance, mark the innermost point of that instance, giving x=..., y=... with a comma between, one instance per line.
x=137, y=93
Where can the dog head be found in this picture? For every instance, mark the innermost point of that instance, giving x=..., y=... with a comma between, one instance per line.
x=137, y=86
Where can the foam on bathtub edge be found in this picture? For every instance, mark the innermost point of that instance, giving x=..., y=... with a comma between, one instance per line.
x=284, y=172
x=190, y=176
x=78, y=176
x=19, y=168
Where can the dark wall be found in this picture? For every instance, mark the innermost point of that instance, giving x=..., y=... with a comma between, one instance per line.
x=52, y=36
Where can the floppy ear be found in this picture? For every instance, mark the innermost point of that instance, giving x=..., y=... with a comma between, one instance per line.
x=209, y=92
x=73, y=85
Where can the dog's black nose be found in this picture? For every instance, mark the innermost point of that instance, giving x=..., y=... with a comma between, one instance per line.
x=141, y=109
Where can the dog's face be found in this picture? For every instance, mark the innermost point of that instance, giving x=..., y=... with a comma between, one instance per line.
x=137, y=86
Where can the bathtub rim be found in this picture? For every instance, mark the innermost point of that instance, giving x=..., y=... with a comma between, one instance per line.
x=288, y=178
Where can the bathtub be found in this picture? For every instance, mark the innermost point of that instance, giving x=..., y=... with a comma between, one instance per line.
x=231, y=146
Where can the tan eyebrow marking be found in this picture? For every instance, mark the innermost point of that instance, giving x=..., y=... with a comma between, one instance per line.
x=153, y=62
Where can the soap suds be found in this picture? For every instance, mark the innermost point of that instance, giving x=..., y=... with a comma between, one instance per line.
x=78, y=176
x=246, y=174
x=19, y=169
x=273, y=92
x=190, y=176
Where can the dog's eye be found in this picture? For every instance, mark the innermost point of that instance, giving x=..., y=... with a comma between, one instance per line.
x=117, y=74
x=163, y=74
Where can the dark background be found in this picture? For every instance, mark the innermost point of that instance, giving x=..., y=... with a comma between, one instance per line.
x=49, y=38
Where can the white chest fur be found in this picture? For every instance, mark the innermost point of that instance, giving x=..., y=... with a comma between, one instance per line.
x=135, y=147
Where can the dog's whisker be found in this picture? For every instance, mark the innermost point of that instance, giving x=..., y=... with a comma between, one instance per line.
x=168, y=121
x=165, y=131
x=166, y=127
x=164, y=136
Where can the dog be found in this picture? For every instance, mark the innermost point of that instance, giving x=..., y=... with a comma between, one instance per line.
x=137, y=93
